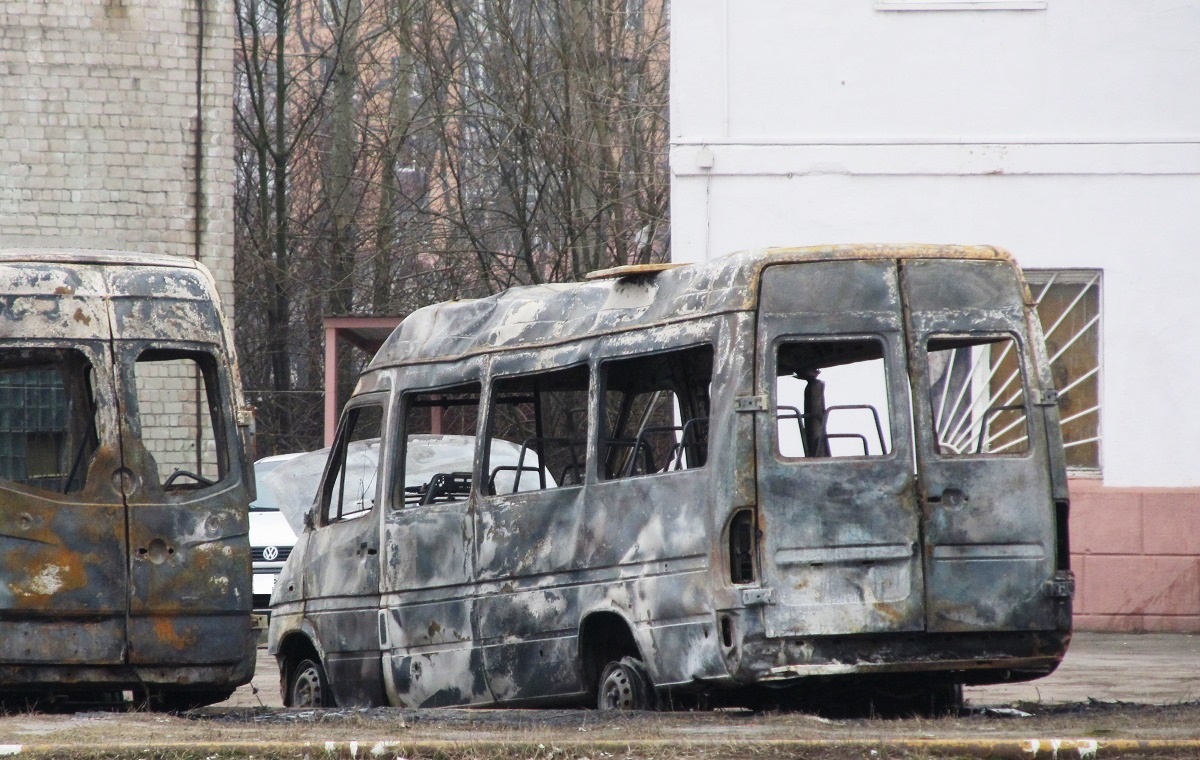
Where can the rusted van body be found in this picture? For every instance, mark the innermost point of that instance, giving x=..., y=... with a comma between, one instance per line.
x=124, y=561
x=759, y=473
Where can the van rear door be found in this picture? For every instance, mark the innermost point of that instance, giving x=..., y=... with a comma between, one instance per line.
x=63, y=548
x=981, y=448
x=184, y=477
x=840, y=550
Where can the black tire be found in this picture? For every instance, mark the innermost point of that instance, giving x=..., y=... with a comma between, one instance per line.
x=946, y=700
x=624, y=686
x=180, y=700
x=308, y=686
x=930, y=701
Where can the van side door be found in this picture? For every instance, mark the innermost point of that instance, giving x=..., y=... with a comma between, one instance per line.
x=529, y=553
x=185, y=476
x=187, y=494
x=63, y=549
x=341, y=572
x=426, y=624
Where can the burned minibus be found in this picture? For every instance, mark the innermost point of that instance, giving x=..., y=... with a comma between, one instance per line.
x=753, y=475
x=124, y=558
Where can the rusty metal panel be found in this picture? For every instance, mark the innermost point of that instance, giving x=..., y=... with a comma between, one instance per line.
x=46, y=301
x=63, y=556
x=990, y=537
x=110, y=579
x=546, y=315
x=429, y=655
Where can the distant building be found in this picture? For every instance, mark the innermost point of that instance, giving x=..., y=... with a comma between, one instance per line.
x=1067, y=131
x=116, y=127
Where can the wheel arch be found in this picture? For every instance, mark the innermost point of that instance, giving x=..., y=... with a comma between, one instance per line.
x=605, y=635
x=294, y=647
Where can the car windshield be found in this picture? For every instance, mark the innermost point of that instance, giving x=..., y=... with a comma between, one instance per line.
x=264, y=500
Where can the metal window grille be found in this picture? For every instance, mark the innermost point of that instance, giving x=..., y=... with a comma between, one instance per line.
x=1068, y=303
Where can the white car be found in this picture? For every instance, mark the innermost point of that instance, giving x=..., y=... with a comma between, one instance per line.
x=287, y=486
x=271, y=538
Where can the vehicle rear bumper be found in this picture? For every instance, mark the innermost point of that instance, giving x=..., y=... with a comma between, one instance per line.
x=120, y=677
x=969, y=658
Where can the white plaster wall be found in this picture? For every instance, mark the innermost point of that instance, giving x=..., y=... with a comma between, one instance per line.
x=780, y=70
x=1070, y=135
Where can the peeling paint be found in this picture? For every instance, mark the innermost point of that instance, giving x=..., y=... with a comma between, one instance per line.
x=46, y=582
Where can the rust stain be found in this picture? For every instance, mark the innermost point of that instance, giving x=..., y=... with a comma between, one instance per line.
x=890, y=611
x=166, y=632
x=44, y=574
x=82, y=318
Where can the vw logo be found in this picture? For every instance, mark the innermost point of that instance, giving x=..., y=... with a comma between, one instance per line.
x=270, y=553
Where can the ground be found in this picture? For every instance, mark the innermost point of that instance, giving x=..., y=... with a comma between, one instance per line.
x=1114, y=696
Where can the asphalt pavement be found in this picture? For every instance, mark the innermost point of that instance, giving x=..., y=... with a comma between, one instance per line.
x=1146, y=668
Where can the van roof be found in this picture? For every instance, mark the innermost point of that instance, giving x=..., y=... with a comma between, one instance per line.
x=618, y=300
x=94, y=256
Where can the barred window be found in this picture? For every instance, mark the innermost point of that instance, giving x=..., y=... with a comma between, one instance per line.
x=1068, y=303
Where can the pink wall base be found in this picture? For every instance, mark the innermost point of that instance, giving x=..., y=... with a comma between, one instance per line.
x=1136, y=556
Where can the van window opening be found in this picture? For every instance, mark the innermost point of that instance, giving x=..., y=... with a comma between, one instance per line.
x=546, y=416
x=179, y=415
x=831, y=399
x=977, y=395
x=656, y=411
x=438, y=434
x=47, y=418
x=355, y=466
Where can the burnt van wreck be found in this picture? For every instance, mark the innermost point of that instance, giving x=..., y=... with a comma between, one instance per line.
x=124, y=562
x=776, y=470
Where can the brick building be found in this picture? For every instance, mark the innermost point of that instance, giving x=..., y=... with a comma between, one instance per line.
x=116, y=124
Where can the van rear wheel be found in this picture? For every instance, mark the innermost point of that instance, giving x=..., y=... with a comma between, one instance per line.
x=624, y=686
x=180, y=700
x=308, y=686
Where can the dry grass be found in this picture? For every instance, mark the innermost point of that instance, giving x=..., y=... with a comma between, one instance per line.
x=570, y=734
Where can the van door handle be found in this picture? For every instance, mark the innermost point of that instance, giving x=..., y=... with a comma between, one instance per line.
x=951, y=497
x=369, y=550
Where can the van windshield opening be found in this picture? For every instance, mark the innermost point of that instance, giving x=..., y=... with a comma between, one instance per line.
x=179, y=415
x=47, y=418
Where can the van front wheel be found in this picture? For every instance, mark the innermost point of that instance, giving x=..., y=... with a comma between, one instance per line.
x=308, y=686
x=625, y=686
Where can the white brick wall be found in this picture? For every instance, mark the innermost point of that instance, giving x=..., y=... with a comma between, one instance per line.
x=170, y=417
x=97, y=115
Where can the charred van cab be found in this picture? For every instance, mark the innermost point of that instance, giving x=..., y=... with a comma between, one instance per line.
x=772, y=470
x=124, y=562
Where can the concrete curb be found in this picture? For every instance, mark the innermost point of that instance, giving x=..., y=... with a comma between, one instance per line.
x=1024, y=749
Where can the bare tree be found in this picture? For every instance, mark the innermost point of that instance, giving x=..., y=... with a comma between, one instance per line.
x=393, y=153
